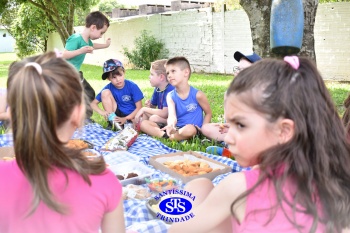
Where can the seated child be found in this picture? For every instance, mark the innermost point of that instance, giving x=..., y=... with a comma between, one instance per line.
x=185, y=104
x=121, y=96
x=156, y=109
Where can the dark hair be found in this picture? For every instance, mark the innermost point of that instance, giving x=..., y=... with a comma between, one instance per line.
x=42, y=96
x=119, y=71
x=346, y=116
x=317, y=158
x=181, y=62
x=96, y=18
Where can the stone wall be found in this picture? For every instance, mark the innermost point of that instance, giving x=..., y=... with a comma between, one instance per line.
x=209, y=39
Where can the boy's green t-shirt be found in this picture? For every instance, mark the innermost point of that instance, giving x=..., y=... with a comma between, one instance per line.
x=75, y=42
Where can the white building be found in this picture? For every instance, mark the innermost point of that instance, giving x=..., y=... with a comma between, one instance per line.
x=7, y=42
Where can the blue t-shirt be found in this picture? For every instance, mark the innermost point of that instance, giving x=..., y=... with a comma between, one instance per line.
x=125, y=97
x=188, y=111
x=159, y=97
x=75, y=42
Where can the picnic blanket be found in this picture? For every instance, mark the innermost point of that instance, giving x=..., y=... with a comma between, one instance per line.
x=137, y=216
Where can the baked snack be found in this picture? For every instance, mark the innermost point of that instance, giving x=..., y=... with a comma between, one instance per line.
x=189, y=168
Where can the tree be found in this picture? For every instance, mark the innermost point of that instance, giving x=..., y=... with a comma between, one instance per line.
x=30, y=31
x=259, y=13
x=60, y=13
x=109, y=5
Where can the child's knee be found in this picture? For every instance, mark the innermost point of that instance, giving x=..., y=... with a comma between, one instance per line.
x=106, y=93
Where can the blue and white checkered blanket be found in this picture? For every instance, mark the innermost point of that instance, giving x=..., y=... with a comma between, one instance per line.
x=137, y=216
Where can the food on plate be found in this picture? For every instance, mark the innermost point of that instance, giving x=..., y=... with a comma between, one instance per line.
x=131, y=175
x=189, y=168
x=78, y=144
x=127, y=176
x=120, y=177
x=160, y=185
x=132, y=191
x=155, y=208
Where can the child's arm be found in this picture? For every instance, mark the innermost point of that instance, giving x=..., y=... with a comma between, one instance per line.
x=114, y=221
x=204, y=103
x=172, y=118
x=218, y=201
x=68, y=54
x=132, y=115
x=163, y=113
x=94, y=106
x=103, y=46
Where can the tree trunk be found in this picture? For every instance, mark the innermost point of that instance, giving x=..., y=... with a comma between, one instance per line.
x=259, y=13
x=308, y=47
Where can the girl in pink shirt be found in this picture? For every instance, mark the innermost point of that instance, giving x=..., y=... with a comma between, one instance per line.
x=50, y=187
x=285, y=126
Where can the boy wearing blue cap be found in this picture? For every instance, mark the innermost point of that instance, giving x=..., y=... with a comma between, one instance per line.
x=244, y=61
x=121, y=96
x=218, y=131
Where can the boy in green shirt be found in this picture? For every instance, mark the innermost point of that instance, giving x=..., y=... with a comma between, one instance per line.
x=79, y=44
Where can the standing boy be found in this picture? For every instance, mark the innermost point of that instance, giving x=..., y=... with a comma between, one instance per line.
x=79, y=44
x=156, y=110
x=186, y=104
x=122, y=97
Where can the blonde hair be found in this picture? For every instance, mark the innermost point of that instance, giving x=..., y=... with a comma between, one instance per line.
x=159, y=67
x=42, y=94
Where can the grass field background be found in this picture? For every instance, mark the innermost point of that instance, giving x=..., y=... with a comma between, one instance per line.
x=213, y=85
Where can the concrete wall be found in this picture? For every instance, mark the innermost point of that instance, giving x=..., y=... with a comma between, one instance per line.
x=209, y=39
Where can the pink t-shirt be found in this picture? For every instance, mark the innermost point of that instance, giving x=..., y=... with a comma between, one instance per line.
x=256, y=218
x=86, y=205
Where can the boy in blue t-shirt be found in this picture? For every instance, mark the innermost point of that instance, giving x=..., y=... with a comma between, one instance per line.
x=122, y=97
x=156, y=109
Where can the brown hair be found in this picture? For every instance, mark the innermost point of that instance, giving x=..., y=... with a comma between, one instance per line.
x=346, y=116
x=181, y=62
x=159, y=67
x=317, y=157
x=40, y=102
x=96, y=18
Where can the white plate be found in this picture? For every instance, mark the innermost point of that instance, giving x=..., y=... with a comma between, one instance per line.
x=139, y=168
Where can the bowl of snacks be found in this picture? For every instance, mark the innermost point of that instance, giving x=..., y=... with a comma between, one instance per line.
x=91, y=154
x=161, y=185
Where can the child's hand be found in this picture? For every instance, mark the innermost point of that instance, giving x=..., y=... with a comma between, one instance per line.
x=139, y=115
x=169, y=129
x=223, y=128
x=148, y=103
x=120, y=120
x=105, y=114
x=87, y=49
x=108, y=42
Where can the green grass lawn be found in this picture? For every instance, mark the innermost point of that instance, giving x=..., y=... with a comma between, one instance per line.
x=213, y=85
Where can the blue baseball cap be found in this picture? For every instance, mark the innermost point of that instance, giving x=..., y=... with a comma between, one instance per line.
x=251, y=57
x=109, y=66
